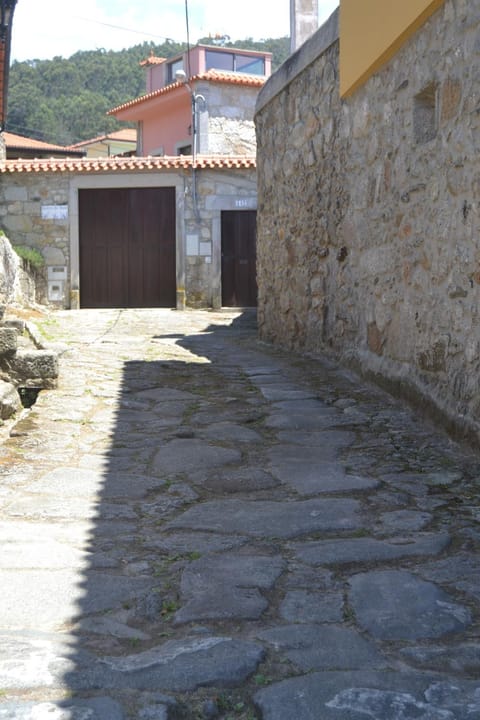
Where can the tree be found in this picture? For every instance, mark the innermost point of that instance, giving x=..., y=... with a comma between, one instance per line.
x=65, y=100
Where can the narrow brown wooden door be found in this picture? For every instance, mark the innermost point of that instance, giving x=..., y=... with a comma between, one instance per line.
x=127, y=247
x=239, y=278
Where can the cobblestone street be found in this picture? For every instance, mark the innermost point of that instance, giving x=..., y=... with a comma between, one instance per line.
x=197, y=526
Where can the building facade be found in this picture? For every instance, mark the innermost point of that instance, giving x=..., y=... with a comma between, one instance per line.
x=201, y=102
x=105, y=242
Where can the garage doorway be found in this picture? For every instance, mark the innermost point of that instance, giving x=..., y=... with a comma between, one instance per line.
x=127, y=247
x=239, y=274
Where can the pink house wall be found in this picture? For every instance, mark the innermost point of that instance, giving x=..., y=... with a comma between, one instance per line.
x=167, y=133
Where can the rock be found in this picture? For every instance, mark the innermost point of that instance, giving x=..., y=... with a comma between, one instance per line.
x=403, y=521
x=231, y=432
x=85, y=709
x=187, y=542
x=365, y=549
x=306, y=472
x=8, y=341
x=183, y=665
x=245, y=480
x=462, y=658
x=34, y=368
x=34, y=660
x=367, y=695
x=226, y=587
x=187, y=456
x=300, y=606
x=271, y=519
x=396, y=605
x=323, y=647
x=10, y=402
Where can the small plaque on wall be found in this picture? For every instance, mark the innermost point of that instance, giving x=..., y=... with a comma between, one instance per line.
x=54, y=212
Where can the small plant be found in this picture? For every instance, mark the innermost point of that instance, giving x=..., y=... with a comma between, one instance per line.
x=169, y=607
x=261, y=680
x=30, y=255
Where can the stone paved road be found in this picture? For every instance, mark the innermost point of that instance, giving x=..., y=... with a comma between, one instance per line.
x=197, y=526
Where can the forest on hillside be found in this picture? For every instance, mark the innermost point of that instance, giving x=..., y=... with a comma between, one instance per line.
x=65, y=100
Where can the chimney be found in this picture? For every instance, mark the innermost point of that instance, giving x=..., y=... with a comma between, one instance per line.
x=303, y=21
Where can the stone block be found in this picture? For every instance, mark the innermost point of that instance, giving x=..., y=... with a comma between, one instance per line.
x=14, y=193
x=8, y=341
x=35, y=368
x=9, y=400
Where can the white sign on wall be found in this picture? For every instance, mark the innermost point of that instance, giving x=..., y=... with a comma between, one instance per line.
x=54, y=212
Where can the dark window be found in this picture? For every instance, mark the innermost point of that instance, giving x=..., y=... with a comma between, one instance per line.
x=185, y=150
x=219, y=60
x=249, y=64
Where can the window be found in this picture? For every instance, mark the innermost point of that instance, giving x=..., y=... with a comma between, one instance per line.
x=172, y=69
x=234, y=62
x=184, y=150
x=249, y=64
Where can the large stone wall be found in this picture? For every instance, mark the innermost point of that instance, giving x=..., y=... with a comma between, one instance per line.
x=22, y=197
x=368, y=222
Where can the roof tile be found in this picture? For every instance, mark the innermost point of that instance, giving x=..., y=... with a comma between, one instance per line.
x=219, y=76
x=135, y=164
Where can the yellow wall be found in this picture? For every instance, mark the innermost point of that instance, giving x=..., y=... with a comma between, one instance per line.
x=371, y=31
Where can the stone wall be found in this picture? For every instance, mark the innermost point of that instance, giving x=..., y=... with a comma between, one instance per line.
x=22, y=197
x=368, y=220
x=226, y=121
x=17, y=285
x=216, y=191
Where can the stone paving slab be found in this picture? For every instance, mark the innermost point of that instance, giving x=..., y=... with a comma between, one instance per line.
x=368, y=550
x=273, y=519
x=93, y=709
x=394, y=604
x=369, y=695
x=182, y=665
x=322, y=647
x=196, y=526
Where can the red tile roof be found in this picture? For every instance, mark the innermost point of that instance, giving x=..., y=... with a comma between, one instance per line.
x=130, y=164
x=218, y=76
x=153, y=60
x=124, y=135
x=24, y=143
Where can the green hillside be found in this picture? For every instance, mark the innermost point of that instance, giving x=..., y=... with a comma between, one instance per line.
x=65, y=100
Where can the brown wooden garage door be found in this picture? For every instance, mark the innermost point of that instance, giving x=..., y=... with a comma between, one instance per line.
x=127, y=247
x=239, y=238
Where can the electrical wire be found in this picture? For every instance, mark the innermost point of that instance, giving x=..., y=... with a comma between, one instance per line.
x=124, y=29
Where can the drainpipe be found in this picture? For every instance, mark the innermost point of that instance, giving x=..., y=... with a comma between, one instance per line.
x=196, y=98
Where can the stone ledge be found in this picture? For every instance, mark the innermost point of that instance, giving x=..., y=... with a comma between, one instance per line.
x=310, y=51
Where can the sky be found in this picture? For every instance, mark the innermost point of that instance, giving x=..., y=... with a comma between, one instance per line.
x=43, y=29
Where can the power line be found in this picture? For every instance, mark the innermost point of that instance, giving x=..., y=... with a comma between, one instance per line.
x=125, y=29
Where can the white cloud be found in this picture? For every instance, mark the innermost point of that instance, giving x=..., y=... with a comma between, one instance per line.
x=62, y=27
